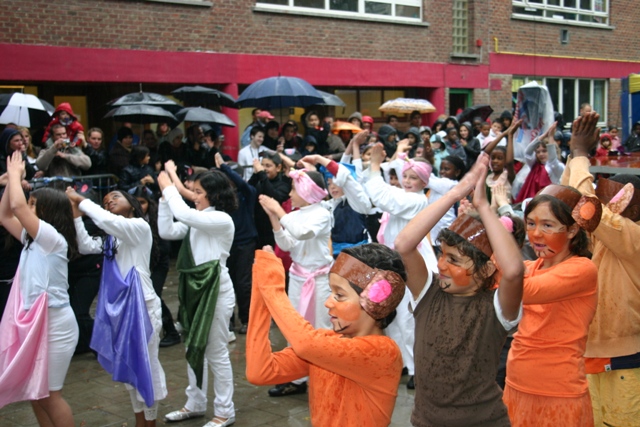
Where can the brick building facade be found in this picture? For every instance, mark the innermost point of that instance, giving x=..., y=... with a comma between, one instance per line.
x=452, y=52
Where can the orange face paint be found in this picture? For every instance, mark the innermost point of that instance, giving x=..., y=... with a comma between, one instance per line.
x=454, y=274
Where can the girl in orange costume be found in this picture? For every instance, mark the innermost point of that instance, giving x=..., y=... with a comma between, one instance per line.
x=354, y=370
x=546, y=381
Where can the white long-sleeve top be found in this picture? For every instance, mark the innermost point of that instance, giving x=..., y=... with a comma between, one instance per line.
x=134, y=242
x=246, y=157
x=439, y=187
x=305, y=234
x=211, y=233
x=402, y=208
x=353, y=190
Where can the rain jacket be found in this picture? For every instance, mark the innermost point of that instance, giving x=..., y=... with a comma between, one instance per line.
x=72, y=128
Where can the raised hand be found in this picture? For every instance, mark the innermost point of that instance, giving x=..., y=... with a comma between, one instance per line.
x=479, y=194
x=584, y=134
x=257, y=166
x=378, y=154
x=164, y=180
x=170, y=167
x=499, y=194
x=470, y=180
x=15, y=165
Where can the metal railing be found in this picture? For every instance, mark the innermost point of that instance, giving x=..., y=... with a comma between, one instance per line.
x=101, y=184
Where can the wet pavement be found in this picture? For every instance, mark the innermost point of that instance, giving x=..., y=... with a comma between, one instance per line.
x=98, y=401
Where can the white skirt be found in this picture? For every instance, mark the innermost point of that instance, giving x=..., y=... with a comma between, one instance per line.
x=63, y=338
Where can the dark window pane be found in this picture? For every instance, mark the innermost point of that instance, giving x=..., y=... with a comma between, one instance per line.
x=569, y=110
x=317, y=4
x=344, y=5
x=554, y=90
x=377, y=8
x=408, y=11
x=584, y=91
x=569, y=3
x=585, y=4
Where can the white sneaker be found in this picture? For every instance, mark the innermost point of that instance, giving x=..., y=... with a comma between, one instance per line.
x=217, y=422
x=178, y=327
x=230, y=339
x=182, y=414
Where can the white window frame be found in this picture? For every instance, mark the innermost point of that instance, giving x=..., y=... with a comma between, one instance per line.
x=560, y=102
x=328, y=12
x=549, y=9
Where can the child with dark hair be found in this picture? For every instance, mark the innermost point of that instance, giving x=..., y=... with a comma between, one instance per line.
x=461, y=320
x=138, y=172
x=205, y=288
x=126, y=292
x=318, y=130
x=38, y=332
x=159, y=264
x=354, y=369
x=305, y=233
x=268, y=179
x=612, y=355
x=546, y=383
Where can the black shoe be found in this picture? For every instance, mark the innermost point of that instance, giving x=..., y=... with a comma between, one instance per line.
x=405, y=371
x=243, y=329
x=288, y=389
x=410, y=384
x=170, y=339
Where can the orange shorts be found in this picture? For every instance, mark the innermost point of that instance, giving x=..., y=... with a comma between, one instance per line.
x=532, y=410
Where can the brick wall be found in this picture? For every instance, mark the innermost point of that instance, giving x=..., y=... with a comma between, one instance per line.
x=614, y=113
x=516, y=35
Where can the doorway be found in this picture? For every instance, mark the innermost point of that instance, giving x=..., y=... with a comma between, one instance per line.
x=459, y=99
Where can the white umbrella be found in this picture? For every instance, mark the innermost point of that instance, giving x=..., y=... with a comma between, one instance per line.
x=24, y=110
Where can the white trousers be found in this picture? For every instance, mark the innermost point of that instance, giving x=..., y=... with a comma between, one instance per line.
x=217, y=357
x=63, y=338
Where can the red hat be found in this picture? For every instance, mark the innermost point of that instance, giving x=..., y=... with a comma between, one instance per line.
x=367, y=119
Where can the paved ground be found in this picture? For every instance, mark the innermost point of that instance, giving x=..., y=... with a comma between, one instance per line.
x=98, y=401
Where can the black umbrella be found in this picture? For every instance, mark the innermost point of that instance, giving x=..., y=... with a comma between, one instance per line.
x=141, y=114
x=469, y=113
x=146, y=98
x=200, y=95
x=279, y=92
x=24, y=110
x=203, y=115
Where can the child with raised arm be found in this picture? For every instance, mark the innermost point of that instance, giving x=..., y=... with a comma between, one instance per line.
x=354, y=370
x=461, y=320
x=38, y=332
x=205, y=289
x=126, y=292
x=305, y=234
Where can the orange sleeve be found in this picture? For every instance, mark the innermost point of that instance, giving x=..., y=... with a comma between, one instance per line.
x=263, y=366
x=329, y=351
x=573, y=278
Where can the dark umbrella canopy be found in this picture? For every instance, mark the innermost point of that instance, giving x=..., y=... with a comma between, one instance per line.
x=203, y=115
x=469, y=113
x=331, y=100
x=146, y=98
x=141, y=114
x=200, y=95
x=279, y=92
x=24, y=110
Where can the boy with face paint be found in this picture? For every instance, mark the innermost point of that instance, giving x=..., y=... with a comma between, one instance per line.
x=612, y=356
x=353, y=369
x=461, y=320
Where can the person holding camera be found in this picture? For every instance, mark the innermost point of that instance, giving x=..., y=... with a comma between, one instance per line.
x=61, y=157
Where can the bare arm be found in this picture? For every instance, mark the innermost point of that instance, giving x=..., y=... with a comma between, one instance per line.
x=411, y=236
x=170, y=168
x=505, y=250
x=17, y=201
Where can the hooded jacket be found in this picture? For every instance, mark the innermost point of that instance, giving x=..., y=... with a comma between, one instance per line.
x=5, y=152
x=72, y=128
x=383, y=134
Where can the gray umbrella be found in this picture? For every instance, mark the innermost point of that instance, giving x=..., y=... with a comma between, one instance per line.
x=331, y=99
x=146, y=98
x=141, y=114
x=203, y=115
x=200, y=95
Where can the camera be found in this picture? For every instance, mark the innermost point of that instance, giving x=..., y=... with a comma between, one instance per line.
x=66, y=142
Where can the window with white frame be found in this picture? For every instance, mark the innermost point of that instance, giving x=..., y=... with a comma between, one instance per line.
x=569, y=94
x=577, y=12
x=392, y=10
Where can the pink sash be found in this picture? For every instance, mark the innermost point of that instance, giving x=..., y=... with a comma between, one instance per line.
x=24, y=348
x=307, y=305
x=383, y=226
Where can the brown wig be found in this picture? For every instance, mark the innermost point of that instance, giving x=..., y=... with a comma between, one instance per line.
x=54, y=208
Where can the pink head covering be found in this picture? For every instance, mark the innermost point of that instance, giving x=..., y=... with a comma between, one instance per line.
x=306, y=188
x=422, y=169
